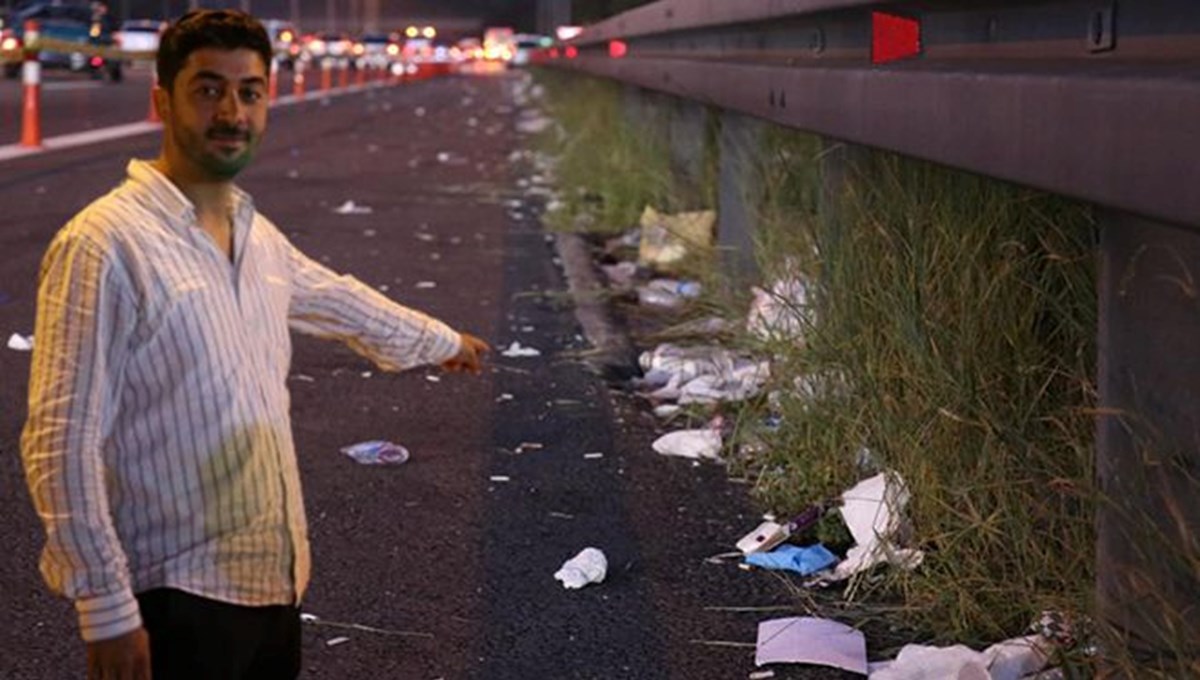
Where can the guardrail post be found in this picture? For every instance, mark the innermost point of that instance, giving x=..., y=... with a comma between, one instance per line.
x=31, y=77
x=739, y=143
x=1147, y=453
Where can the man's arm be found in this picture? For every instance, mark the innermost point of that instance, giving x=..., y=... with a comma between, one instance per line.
x=393, y=336
x=83, y=321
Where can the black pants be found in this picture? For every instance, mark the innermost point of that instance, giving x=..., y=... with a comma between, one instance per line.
x=195, y=638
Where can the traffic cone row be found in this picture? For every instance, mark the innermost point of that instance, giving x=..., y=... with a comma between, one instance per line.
x=31, y=131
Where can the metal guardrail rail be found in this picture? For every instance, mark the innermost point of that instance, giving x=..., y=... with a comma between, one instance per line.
x=1094, y=99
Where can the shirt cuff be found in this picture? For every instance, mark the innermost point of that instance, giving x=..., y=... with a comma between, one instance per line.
x=108, y=616
x=444, y=343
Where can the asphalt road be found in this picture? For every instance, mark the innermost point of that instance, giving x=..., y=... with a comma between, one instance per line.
x=74, y=102
x=457, y=566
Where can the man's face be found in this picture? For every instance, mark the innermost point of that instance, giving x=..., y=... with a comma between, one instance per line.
x=216, y=112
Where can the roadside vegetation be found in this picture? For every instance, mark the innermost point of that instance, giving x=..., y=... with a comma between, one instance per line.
x=949, y=336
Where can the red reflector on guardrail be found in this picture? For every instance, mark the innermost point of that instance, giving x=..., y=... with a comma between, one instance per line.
x=554, y=53
x=894, y=37
x=617, y=49
x=572, y=52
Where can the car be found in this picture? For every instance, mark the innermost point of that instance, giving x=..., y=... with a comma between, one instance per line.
x=328, y=45
x=139, y=36
x=87, y=25
x=526, y=45
x=378, y=50
x=285, y=41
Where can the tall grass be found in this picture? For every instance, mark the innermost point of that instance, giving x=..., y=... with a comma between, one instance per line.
x=611, y=166
x=951, y=339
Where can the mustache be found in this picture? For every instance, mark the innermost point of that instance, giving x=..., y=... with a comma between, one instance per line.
x=227, y=131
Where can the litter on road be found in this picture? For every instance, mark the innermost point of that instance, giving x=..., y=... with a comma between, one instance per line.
x=695, y=444
x=377, y=452
x=426, y=285
x=872, y=512
x=804, y=560
x=352, y=208
x=500, y=478
x=808, y=640
x=334, y=642
x=515, y=350
x=593, y=456
x=589, y=566
x=1009, y=660
x=667, y=239
x=20, y=343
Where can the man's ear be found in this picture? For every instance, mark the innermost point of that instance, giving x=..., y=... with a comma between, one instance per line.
x=162, y=102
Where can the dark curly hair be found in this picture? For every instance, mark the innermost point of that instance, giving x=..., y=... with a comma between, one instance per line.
x=226, y=29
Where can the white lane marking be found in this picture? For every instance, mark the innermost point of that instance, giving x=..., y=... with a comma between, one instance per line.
x=60, y=86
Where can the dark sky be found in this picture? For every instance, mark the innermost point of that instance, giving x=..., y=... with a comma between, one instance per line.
x=313, y=11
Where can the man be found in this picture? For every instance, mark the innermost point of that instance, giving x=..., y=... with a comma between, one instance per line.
x=158, y=449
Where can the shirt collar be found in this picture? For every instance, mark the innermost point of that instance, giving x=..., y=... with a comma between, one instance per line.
x=177, y=208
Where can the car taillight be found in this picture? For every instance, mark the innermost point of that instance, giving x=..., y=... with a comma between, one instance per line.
x=97, y=62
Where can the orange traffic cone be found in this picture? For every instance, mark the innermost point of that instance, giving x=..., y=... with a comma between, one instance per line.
x=298, y=79
x=152, y=115
x=31, y=111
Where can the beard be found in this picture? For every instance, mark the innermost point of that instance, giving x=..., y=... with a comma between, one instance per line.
x=216, y=162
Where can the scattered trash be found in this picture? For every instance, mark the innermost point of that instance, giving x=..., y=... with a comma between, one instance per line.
x=802, y=560
x=1008, y=660
x=782, y=313
x=593, y=456
x=504, y=397
x=667, y=410
x=377, y=453
x=304, y=378
x=419, y=112
x=367, y=374
x=307, y=618
x=762, y=675
x=352, y=208
x=764, y=537
x=701, y=375
x=516, y=350
x=369, y=233
x=426, y=285
x=695, y=444
x=561, y=515
x=532, y=123
x=500, y=478
x=771, y=532
x=424, y=236
x=667, y=293
x=814, y=641
x=372, y=148
x=666, y=239
x=20, y=343
x=433, y=378
x=528, y=446
x=293, y=174
x=333, y=642
x=871, y=510
x=589, y=566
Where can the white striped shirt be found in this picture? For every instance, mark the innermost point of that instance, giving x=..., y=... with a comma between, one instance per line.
x=158, y=449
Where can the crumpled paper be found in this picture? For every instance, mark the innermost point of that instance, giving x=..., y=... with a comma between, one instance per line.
x=694, y=444
x=872, y=510
x=589, y=566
